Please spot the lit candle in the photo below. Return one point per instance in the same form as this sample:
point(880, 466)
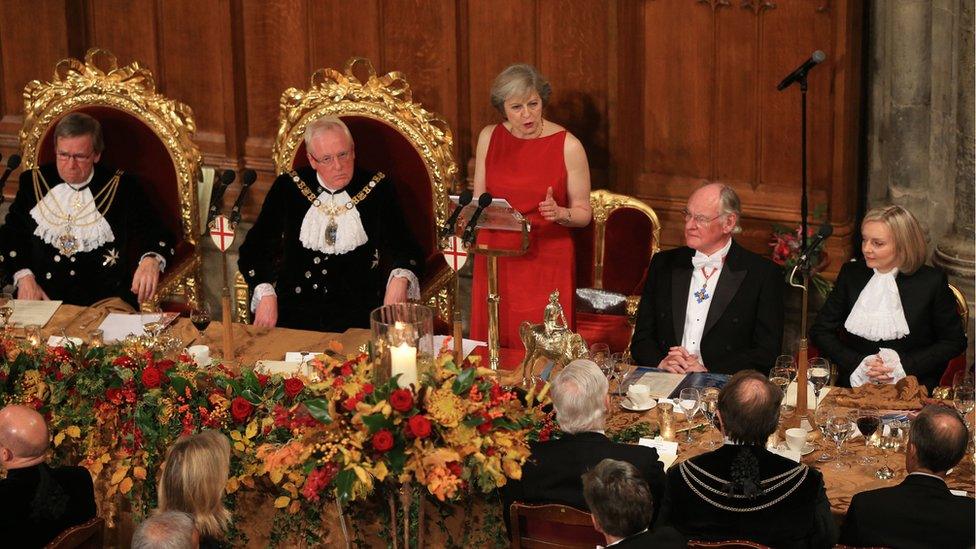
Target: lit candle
point(403, 360)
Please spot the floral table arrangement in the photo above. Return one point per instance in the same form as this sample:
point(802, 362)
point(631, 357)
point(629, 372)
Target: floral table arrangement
point(337, 438)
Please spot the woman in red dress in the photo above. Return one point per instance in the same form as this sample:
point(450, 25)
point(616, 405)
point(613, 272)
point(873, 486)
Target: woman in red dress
point(541, 169)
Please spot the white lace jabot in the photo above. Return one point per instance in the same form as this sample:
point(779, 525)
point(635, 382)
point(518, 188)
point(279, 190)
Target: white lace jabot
point(349, 226)
point(88, 226)
point(877, 314)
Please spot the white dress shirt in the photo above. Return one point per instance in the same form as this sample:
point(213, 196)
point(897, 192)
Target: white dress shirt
point(695, 312)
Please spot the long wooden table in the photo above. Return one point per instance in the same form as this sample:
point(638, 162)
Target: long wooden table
point(253, 344)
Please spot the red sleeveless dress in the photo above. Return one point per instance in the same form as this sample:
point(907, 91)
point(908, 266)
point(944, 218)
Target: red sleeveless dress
point(520, 171)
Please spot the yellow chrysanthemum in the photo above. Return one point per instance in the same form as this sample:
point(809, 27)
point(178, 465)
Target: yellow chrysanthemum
point(445, 407)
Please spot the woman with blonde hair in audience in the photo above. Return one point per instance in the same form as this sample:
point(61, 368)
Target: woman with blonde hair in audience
point(193, 480)
point(890, 315)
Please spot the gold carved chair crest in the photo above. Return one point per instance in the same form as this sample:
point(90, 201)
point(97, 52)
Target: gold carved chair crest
point(394, 135)
point(146, 134)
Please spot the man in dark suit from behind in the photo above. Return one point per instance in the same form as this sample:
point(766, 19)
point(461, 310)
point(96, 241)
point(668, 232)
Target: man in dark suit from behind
point(710, 305)
point(919, 512)
point(553, 472)
point(621, 505)
point(742, 491)
point(37, 502)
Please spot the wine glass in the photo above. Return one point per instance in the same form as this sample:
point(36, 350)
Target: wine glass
point(689, 399)
point(788, 363)
point(6, 308)
point(838, 429)
point(821, 416)
point(152, 322)
point(892, 438)
point(620, 367)
point(600, 353)
point(780, 377)
point(200, 317)
point(818, 373)
point(868, 421)
point(963, 399)
point(709, 405)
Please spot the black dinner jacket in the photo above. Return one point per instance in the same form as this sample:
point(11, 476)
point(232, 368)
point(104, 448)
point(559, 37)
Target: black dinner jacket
point(25, 492)
point(666, 538)
point(552, 473)
point(935, 331)
point(920, 512)
point(801, 520)
point(744, 326)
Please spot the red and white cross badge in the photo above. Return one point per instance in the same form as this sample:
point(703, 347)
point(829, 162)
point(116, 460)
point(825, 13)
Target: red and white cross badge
point(455, 253)
point(221, 233)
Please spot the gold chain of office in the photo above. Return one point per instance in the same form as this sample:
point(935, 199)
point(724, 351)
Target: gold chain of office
point(331, 209)
point(95, 209)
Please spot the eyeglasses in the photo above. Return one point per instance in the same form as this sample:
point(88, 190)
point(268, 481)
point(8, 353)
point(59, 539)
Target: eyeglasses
point(700, 220)
point(67, 157)
point(329, 159)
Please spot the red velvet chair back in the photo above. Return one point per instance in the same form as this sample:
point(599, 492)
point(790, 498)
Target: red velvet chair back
point(381, 148)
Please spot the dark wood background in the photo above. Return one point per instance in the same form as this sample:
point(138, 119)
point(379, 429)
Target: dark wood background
point(663, 93)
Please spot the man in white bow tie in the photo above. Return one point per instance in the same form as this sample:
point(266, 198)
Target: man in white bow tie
point(330, 243)
point(711, 305)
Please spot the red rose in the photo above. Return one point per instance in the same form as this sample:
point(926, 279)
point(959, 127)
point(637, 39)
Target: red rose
point(485, 425)
point(401, 400)
point(114, 395)
point(382, 440)
point(165, 365)
point(262, 379)
point(151, 377)
point(368, 388)
point(240, 409)
point(350, 404)
point(293, 386)
point(346, 370)
point(419, 426)
point(455, 468)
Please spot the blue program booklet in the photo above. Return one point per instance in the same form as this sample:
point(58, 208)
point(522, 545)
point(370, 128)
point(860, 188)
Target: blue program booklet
point(697, 380)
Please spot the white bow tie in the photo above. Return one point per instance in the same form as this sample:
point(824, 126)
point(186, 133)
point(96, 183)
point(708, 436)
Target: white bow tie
point(700, 260)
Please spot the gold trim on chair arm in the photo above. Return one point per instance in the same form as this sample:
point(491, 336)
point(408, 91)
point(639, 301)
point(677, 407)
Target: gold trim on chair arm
point(962, 306)
point(184, 279)
point(603, 203)
point(242, 300)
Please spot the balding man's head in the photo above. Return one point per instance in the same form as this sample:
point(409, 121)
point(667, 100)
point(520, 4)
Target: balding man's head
point(23, 436)
point(938, 439)
point(748, 407)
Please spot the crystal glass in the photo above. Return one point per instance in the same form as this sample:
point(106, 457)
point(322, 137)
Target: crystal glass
point(96, 338)
point(780, 377)
point(709, 406)
point(892, 439)
point(689, 399)
point(402, 342)
point(963, 399)
point(33, 334)
point(6, 308)
point(868, 421)
point(788, 363)
point(200, 317)
point(838, 429)
point(821, 416)
point(818, 372)
point(152, 322)
point(620, 365)
point(600, 353)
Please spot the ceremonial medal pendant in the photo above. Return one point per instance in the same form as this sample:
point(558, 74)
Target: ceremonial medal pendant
point(67, 243)
point(701, 294)
point(330, 231)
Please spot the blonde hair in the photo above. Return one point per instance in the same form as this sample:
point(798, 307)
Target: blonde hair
point(519, 80)
point(193, 480)
point(906, 234)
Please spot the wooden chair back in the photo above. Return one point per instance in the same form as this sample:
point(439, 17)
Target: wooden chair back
point(552, 526)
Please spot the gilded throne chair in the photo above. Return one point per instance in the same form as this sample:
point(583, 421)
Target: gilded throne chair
point(393, 135)
point(145, 133)
point(612, 256)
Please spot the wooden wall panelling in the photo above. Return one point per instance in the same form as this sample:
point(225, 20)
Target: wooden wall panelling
point(339, 29)
point(129, 29)
point(28, 50)
point(574, 57)
point(626, 99)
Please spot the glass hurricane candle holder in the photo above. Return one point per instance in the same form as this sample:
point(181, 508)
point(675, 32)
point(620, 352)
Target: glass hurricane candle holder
point(402, 342)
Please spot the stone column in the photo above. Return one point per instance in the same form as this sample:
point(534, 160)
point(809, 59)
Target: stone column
point(955, 251)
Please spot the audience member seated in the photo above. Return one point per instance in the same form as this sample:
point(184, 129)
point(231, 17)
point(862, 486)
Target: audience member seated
point(919, 512)
point(710, 305)
point(553, 472)
point(620, 502)
point(743, 491)
point(890, 315)
point(166, 530)
point(193, 480)
point(37, 502)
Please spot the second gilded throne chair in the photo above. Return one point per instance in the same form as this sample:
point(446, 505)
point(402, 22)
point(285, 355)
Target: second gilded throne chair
point(612, 256)
point(146, 135)
point(393, 135)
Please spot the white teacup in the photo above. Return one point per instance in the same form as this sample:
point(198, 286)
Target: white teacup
point(639, 395)
point(796, 439)
point(200, 354)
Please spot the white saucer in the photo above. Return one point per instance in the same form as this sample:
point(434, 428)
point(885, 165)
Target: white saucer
point(626, 404)
point(206, 364)
point(807, 448)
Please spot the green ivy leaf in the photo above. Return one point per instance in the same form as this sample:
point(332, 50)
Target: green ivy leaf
point(376, 421)
point(343, 483)
point(179, 384)
point(251, 396)
point(463, 382)
point(398, 458)
point(319, 409)
point(251, 382)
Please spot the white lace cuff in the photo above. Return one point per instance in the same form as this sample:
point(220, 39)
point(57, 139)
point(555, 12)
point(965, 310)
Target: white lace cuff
point(161, 259)
point(21, 274)
point(260, 292)
point(413, 284)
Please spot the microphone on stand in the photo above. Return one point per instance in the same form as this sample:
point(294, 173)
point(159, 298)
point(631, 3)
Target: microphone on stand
point(463, 200)
point(13, 162)
point(483, 202)
point(801, 72)
point(825, 231)
point(248, 177)
point(217, 194)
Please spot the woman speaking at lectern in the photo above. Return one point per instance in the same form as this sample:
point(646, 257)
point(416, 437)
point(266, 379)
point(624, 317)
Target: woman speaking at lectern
point(541, 169)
